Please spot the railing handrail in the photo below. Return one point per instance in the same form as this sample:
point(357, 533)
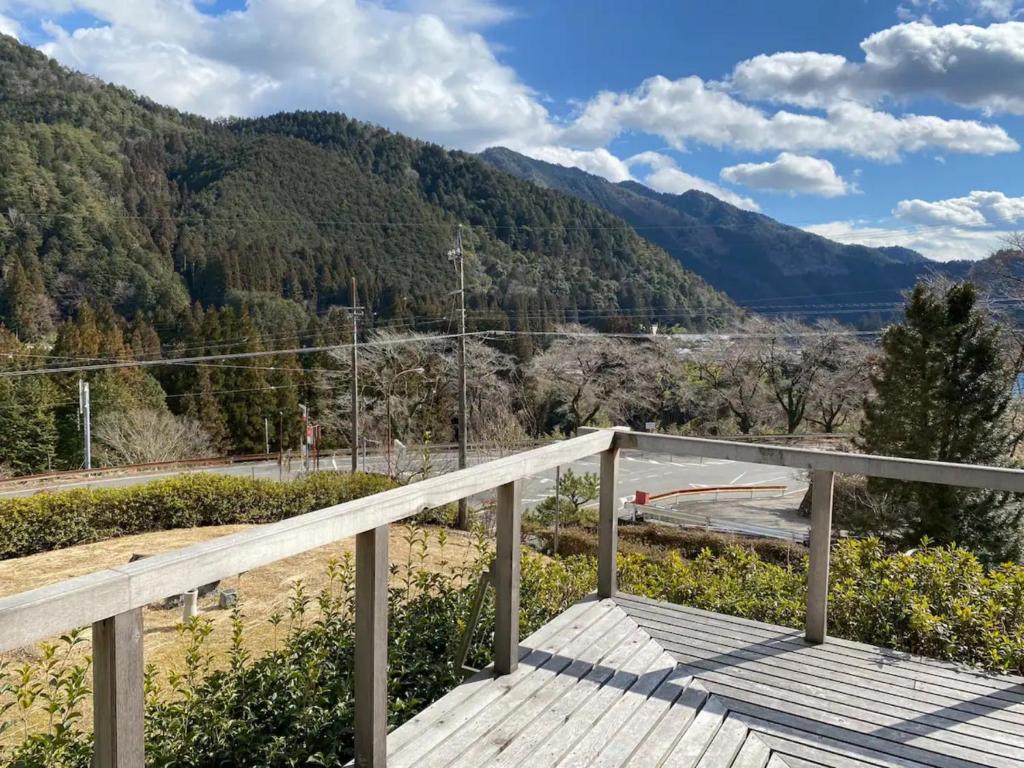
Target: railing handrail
point(40, 613)
point(112, 600)
point(889, 467)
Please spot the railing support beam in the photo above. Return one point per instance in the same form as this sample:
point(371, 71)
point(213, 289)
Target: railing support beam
point(118, 699)
point(506, 578)
point(821, 541)
point(371, 652)
point(608, 524)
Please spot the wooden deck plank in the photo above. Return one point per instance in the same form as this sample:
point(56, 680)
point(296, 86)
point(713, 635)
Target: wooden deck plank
point(801, 750)
point(633, 682)
point(726, 744)
point(753, 754)
point(585, 675)
point(476, 722)
point(619, 711)
point(975, 691)
point(441, 720)
point(539, 644)
point(879, 710)
point(643, 721)
point(864, 751)
point(819, 721)
point(832, 712)
point(691, 745)
point(672, 726)
point(847, 650)
point(993, 713)
point(586, 704)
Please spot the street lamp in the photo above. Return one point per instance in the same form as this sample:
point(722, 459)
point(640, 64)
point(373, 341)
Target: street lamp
point(387, 407)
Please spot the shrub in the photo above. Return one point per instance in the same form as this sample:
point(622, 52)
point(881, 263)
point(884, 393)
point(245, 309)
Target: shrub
point(50, 521)
point(658, 540)
point(294, 706)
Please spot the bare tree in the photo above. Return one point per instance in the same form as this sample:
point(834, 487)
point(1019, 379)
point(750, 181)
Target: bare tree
point(143, 435)
point(843, 380)
point(732, 369)
point(583, 373)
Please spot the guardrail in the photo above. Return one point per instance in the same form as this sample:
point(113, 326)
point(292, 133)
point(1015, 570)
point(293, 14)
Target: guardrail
point(112, 600)
point(675, 516)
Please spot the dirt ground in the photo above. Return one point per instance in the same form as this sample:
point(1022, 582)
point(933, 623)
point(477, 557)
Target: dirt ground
point(262, 592)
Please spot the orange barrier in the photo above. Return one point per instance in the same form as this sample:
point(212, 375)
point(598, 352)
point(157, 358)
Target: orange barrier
point(642, 497)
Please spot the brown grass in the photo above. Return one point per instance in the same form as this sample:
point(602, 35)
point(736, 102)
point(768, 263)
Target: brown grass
point(262, 592)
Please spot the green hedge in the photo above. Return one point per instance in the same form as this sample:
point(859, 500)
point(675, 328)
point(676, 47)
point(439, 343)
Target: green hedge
point(50, 521)
point(658, 540)
point(938, 602)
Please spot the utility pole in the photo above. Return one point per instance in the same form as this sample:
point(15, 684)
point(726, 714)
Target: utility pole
point(85, 412)
point(558, 509)
point(266, 435)
point(304, 412)
point(356, 309)
point(280, 445)
point(456, 255)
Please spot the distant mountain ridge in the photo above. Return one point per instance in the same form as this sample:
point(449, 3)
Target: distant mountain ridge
point(756, 260)
point(109, 198)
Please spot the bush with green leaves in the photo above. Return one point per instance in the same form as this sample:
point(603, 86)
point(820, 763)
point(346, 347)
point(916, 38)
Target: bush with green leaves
point(294, 706)
point(575, 491)
point(50, 521)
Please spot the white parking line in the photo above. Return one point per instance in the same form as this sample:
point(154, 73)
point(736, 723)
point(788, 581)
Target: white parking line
point(737, 478)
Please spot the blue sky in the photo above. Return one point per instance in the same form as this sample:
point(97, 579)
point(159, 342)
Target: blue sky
point(875, 121)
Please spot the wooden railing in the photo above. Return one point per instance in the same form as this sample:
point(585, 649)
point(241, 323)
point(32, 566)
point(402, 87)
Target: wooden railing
point(112, 600)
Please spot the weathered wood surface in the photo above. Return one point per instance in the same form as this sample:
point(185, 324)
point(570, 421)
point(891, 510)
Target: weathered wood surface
point(118, 668)
point(371, 652)
point(632, 682)
point(50, 610)
point(916, 470)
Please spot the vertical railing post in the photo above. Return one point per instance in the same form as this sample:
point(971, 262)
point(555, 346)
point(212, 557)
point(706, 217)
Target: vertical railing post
point(371, 652)
point(608, 524)
point(821, 542)
point(506, 578)
point(118, 699)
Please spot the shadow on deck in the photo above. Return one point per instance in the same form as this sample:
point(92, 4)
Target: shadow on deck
point(634, 682)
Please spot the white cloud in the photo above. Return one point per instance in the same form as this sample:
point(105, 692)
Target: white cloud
point(978, 209)
point(971, 66)
point(427, 74)
point(665, 176)
point(795, 174)
point(9, 26)
point(942, 243)
point(687, 110)
point(597, 161)
point(996, 9)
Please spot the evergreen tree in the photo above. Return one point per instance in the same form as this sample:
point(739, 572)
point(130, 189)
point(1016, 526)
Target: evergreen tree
point(27, 421)
point(941, 393)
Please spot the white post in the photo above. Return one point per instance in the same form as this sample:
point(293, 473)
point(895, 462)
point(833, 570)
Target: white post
point(189, 605)
point(821, 540)
point(118, 701)
point(371, 652)
point(608, 524)
point(506, 578)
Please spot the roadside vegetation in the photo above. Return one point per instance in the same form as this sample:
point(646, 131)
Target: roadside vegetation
point(50, 521)
point(293, 704)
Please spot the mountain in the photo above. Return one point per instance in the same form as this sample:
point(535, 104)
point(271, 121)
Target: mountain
point(108, 198)
point(756, 260)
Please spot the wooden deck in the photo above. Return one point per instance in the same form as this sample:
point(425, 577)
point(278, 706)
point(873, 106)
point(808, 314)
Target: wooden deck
point(633, 682)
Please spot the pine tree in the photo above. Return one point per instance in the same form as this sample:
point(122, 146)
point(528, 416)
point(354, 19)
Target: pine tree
point(941, 392)
point(27, 420)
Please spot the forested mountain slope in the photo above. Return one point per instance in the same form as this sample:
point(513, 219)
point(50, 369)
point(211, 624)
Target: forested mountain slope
point(106, 197)
point(751, 257)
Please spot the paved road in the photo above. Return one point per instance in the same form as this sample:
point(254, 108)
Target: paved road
point(638, 472)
